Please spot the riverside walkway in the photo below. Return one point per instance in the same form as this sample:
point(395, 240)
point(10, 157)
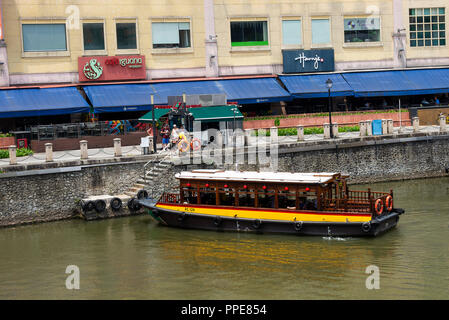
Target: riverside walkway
point(136, 151)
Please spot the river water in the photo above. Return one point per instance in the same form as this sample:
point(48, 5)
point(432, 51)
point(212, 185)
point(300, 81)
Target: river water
point(133, 258)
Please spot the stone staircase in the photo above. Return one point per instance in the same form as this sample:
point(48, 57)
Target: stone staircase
point(152, 170)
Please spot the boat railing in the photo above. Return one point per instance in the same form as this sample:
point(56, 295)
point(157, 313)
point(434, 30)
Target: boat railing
point(168, 197)
point(355, 201)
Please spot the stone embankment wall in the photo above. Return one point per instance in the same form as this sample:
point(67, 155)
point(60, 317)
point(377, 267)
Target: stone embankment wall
point(49, 192)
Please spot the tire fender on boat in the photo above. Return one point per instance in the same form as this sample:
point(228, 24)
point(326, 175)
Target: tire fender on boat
point(298, 225)
point(366, 226)
point(257, 223)
point(100, 205)
point(116, 204)
point(217, 221)
point(181, 216)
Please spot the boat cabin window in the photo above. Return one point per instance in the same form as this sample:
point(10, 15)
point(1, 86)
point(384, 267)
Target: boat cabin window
point(246, 196)
point(190, 195)
point(287, 198)
point(265, 197)
point(208, 195)
point(226, 195)
point(307, 199)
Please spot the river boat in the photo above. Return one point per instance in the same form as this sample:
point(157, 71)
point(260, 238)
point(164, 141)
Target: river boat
point(316, 204)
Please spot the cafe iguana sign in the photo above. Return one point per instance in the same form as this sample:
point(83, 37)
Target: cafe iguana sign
point(104, 68)
point(299, 61)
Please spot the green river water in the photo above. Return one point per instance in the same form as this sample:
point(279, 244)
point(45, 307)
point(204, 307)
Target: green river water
point(133, 258)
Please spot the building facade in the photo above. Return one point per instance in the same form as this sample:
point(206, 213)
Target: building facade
point(55, 41)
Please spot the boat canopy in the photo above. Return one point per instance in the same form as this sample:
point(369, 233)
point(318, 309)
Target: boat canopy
point(253, 176)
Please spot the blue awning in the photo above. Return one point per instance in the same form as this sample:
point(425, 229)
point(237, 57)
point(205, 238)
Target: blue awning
point(136, 97)
point(314, 86)
point(241, 91)
point(398, 83)
point(15, 103)
point(120, 97)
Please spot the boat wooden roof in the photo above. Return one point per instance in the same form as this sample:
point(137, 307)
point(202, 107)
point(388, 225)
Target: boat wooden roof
point(254, 176)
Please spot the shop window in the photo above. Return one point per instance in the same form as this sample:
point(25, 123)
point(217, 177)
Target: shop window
point(321, 31)
point(249, 33)
point(291, 32)
point(362, 30)
point(427, 27)
point(44, 37)
point(126, 36)
point(93, 36)
point(171, 34)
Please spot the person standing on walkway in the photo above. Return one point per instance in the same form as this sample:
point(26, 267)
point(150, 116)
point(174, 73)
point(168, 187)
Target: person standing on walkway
point(165, 136)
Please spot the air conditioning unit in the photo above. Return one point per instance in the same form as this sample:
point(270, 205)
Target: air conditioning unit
point(206, 100)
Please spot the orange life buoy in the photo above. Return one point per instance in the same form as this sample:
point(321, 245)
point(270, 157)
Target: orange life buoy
point(389, 203)
point(195, 144)
point(183, 145)
point(379, 207)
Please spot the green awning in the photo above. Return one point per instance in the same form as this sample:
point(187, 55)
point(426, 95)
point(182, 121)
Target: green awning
point(216, 113)
point(148, 117)
point(205, 114)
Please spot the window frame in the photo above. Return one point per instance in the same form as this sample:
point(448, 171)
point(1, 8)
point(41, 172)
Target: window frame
point(361, 43)
point(53, 53)
point(94, 52)
point(321, 45)
point(126, 51)
point(180, 19)
point(250, 48)
point(424, 31)
point(292, 18)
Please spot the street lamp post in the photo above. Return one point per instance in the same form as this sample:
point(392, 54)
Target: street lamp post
point(153, 123)
point(329, 86)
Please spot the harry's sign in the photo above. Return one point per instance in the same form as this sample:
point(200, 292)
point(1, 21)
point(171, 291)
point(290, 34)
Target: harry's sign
point(298, 61)
point(102, 68)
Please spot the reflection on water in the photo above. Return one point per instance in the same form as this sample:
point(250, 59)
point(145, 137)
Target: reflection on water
point(132, 258)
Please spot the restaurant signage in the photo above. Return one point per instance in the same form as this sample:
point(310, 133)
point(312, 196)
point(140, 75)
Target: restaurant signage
point(104, 68)
point(299, 61)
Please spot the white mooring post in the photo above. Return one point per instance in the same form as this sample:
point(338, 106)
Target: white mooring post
point(48, 152)
point(83, 149)
point(117, 147)
point(362, 128)
point(384, 126)
point(390, 126)
point(327, 131)
point(443, 127)
point(335, 130)
point(415, 123)
point(12, 154)
point(273, 135)
point(300, 133)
